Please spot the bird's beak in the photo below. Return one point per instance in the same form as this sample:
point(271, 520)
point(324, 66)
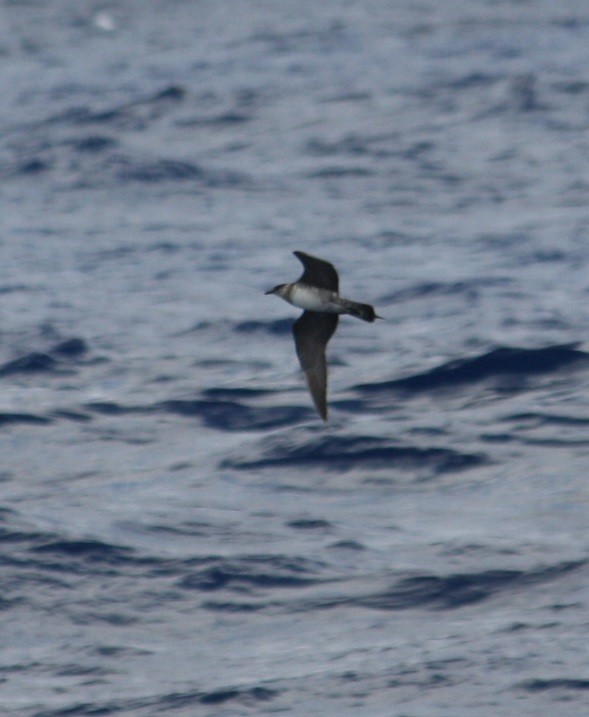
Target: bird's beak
point(271, 291)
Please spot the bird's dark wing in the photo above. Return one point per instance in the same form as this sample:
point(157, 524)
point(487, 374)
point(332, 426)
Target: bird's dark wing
point(318, 272)
point(311, 332)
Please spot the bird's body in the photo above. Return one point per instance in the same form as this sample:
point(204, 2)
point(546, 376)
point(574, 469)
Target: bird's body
point(311, 298)
point(316, 292)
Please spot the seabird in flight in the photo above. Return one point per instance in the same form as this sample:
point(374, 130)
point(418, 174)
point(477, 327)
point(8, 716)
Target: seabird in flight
point(317, 293)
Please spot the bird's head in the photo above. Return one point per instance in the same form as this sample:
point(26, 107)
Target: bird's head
point(280, 290)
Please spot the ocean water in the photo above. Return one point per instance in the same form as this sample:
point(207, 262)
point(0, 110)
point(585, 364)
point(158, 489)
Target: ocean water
point(180, 532)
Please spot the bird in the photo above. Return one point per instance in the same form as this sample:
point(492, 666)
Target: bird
point(317, 293)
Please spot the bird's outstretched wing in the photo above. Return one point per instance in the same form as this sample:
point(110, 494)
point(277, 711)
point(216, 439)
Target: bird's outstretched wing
point(311, 332)
point(318, 272)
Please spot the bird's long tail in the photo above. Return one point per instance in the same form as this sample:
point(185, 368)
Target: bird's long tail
point(362, 311)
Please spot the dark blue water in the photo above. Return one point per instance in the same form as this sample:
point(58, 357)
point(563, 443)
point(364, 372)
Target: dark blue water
point(179, 532)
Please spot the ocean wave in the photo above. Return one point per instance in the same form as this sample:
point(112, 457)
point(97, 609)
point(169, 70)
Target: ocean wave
point(342, 453)
point(253, 572)
point(500, 363)
point(56, 358)
point(235, 416)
